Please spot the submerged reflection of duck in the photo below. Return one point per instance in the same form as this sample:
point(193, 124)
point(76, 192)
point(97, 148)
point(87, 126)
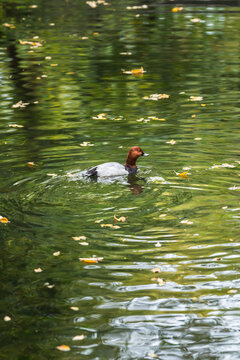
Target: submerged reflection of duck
point(115, 169)
point(133, 184)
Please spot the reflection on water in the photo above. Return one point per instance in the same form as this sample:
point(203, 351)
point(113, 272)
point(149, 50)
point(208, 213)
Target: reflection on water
point(168, 287)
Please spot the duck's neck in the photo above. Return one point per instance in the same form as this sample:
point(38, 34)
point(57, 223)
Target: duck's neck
point(130, 164)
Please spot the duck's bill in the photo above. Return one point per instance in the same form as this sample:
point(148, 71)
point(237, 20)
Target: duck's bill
point(145, 154)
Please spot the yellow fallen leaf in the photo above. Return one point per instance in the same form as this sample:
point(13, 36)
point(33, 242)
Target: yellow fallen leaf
point(183, 175)
point(15, 126)
point(188, 222)
point(38, 270)
point(153, 355)
point(74, 308)
point(98, 221)
point(3, 220)
point(121, 219)
point(101, 116)
point(33, 43)
point(52, 175)
point(91, 260)
point(177, 9)
point(232, 291)
point(49, 286)
point(135, 71)
point(57, 253)
point(86, 143)
point(63, 348)
point(172, 142)
point(106, 225)
point(156, 270)
point(83, 243)
point(31, 163)
point(10, 26)
point(48, 58)
point(115, 227)
point(78, 337)
point(53, 65)
point(203, 104)
point(77, 238)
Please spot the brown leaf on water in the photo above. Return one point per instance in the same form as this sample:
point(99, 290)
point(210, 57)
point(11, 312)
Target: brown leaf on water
point(139, 71)
point(78, 337)
point(63, 348)
point(91, 260)
point(3, 220)
point(156, 270)
point(183, 175)
point(31, 163)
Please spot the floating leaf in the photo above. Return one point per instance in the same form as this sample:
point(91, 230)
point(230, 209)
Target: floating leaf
point(158, 244)
point(3, 220)
point(48, 58)
point(7, 318)
point(115, 227)
point(32, 43)
point(20, 104)
point(172, 142)
point(195, 98)
point(74, 308)
point(31, 163)
point(10, 26)
point(86, 143)
point(63, 348)
point(78, 238)
point(91, 260)
point(183, 175)
point(188, 222)
point(156, 97)
point(135, 71)
point(106, 225)
point(52, 175)
point(78, 337)
point(57, 253)
point(153, 355)
point(101, 116)
point(156, 270)
point(232, 291)
point(98, 221)
point(15, 126)
point(49, 286)
point(83, 243)
point(38, 270)
point(122, 218)
point(177, 9)
point(195, 20)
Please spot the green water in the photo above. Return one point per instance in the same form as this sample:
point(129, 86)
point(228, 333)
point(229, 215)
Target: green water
point(188, 228)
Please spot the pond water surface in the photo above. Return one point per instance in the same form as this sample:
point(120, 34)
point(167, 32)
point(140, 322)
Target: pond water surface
point(168, 286)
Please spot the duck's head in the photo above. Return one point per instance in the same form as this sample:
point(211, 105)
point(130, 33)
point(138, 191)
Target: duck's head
point(133, 155)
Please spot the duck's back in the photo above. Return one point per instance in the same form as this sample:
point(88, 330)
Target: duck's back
point(107, 169)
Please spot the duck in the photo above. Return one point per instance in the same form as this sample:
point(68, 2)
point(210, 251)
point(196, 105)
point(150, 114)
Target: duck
point(115, 169)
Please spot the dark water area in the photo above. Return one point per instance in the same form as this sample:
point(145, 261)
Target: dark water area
point(168, 286)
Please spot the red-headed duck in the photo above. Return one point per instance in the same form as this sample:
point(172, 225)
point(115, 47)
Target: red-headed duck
point(116, 169)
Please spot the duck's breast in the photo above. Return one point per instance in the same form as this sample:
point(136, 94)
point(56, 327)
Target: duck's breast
point(111, 169)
